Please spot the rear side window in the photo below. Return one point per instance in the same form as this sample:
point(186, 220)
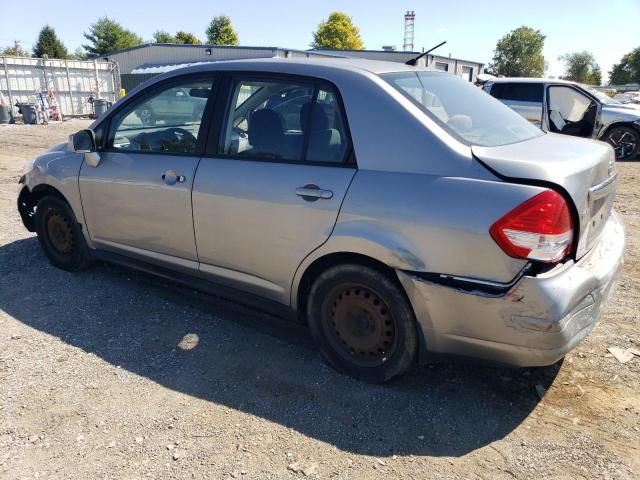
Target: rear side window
point(282, 120)
point(519, 92)
point(462, 109)
point(167, 121)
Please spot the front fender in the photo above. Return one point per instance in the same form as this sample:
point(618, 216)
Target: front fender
point(58, 169)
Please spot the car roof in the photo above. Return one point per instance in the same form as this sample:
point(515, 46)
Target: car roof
point(530, 80)
point(285, 64)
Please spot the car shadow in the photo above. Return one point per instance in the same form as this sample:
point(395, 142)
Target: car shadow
point(227, 354)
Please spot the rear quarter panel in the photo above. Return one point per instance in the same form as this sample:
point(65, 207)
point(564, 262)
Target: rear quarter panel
point(426, 223)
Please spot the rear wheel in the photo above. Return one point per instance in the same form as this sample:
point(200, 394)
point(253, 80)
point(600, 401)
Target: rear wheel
point(60, 236)
point(362, 322)
point(625, 141)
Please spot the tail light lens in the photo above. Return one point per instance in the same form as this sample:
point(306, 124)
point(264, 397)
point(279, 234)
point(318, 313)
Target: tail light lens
point(539, 229)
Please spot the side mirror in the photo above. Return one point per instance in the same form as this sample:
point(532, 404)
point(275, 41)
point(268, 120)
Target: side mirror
point(84, 141)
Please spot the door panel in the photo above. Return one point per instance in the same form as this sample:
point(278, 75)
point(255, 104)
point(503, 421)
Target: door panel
point(128, 205)
point(524, 98)
point(137, 201)
point(253, 230)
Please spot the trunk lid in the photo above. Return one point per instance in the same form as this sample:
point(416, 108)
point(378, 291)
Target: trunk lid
point(584, 169)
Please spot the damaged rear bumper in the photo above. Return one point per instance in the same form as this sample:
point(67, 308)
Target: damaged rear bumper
point(535, 323)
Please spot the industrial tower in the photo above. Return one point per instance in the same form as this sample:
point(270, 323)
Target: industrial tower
point(409, 21)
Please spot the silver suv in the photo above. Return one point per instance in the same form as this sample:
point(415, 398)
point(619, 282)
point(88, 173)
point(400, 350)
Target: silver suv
point(395, 210)
point(572, 109)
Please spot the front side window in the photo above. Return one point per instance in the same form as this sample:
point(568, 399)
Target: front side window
point(167, 121)
point(463, 110)
point(281, 120)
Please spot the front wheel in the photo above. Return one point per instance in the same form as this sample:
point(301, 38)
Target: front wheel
point(362, 322)
point(625, 141)
point(60, 235)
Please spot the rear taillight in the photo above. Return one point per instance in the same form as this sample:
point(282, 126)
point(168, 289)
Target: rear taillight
point(539, 229)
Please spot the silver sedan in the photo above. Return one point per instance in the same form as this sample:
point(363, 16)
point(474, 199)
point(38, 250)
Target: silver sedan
point(397, 211)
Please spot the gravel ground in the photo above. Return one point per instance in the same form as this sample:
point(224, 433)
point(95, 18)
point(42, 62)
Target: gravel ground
point(111, 373)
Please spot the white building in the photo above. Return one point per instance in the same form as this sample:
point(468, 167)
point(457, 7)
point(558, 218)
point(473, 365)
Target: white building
point(137, 64)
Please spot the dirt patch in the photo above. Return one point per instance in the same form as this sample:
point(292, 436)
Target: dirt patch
point(112, 373)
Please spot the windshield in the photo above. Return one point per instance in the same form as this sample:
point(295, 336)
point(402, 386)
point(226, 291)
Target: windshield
point(463, 110)
point(603, 97)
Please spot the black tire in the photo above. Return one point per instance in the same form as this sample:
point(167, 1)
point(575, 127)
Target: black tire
point(60, 235)
point(362, 323)
point(625, 140)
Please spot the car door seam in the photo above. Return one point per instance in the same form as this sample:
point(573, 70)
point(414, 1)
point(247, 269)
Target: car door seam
point(333, 227)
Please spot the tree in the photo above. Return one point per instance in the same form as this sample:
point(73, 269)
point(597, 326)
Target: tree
point(519, 54)
point(581, 67)
point(78, 54)
point(220, 32)
point(338, 31)
point(162, 36)
point(107, 35)
point(187, 38)
point(15, 51)
point(628, 70)
point(49, 44)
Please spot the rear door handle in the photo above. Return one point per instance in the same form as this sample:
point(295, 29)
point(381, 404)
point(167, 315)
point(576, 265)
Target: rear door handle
point(312, 192)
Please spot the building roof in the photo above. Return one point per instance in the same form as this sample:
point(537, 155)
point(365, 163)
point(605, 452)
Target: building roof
point(400, 53)
point(181, 45)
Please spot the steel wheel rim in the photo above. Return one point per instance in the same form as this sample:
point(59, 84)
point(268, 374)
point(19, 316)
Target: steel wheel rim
point(623, 141)
point(59, 234)
point(145, 116)
point(359, 325)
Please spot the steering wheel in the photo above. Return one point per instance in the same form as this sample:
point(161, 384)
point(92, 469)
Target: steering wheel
point(181, 133)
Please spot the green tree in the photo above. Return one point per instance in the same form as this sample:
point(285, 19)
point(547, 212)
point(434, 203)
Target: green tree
point(581, 67)
point(221, 32)
point(49, 44)
point(187, 38)
point(162, 36)
point(628, 70)
point(15, 51)
point(338, 31)
point(107, 35)
point(519, 54)
point(78, 54)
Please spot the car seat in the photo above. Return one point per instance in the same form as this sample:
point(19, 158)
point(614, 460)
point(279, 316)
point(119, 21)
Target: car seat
point(266, 135)
point(324, 143)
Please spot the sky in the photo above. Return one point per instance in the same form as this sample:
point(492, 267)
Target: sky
point(607, 28)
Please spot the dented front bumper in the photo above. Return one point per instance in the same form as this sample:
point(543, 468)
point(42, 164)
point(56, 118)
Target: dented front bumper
point(536, 322)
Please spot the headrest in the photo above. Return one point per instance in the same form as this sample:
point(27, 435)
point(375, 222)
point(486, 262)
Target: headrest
point(319, 121)
point(266, 127)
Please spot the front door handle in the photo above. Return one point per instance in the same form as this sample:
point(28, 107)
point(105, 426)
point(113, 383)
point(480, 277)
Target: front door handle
point(311, 192)
point(171, 178)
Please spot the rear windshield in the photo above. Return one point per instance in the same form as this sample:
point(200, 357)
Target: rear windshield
point(464, 110)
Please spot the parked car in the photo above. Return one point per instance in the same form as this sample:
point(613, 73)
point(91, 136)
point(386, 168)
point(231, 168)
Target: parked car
point(404, 213)
point(175, 105)
point(628, 97)
point(572, 109)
